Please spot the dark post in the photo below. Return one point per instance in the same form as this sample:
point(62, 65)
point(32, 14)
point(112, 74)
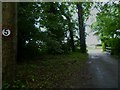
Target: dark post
point(9, 18)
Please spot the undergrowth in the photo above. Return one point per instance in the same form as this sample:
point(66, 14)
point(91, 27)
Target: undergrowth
point(50, 71)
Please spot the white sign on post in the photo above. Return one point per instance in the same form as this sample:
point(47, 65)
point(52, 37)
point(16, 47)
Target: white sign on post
point(6, 32)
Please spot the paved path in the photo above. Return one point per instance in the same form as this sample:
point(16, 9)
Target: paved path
point(101, 71)
point(104, 70)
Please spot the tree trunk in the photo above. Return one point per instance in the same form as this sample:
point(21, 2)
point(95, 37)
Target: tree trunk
point(81, 28)
point(71, 38)
point(9, 43)
point(72, 45)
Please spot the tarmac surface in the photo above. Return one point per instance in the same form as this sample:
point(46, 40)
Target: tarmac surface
point(104, 69)
point(101, 71)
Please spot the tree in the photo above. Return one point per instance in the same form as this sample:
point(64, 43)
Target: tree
point(56, 18)
point(28, 34)
point(9, 43)
point(107, 25)
point(47, 27)
point(71, 25)
point(81, 28)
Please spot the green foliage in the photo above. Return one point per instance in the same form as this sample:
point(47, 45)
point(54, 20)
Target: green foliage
point(107, 25)
point(5, 86)
point(115, 42)
point(54, 47)
point(86, 7)
point(48, 27)
point(43, 27)
point(26, 28)
point(103, 46)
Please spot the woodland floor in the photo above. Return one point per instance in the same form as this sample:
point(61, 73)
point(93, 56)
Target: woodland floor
point(50, 71)
point(93, 70)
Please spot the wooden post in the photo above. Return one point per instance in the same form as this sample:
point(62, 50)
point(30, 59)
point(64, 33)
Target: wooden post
point(9, 43)
point(0, 45)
